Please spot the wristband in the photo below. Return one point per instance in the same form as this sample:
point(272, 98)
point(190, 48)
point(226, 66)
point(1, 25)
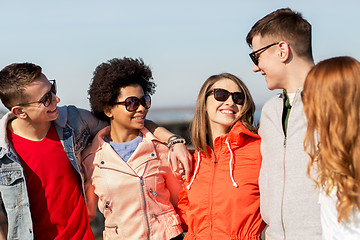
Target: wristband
point(175, 141)
point(172, 137)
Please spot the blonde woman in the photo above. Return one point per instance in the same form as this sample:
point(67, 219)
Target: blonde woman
point(331, 100)
point(222, 199)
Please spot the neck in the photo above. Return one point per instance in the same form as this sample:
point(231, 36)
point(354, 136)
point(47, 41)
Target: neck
point(122, 135)
point(31, 131)
point(297, 75)
point(217, 131)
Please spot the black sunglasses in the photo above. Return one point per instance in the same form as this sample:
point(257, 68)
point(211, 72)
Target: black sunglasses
point(255, 57)
point(47, 98)
point(133, 103)
point(222, 95)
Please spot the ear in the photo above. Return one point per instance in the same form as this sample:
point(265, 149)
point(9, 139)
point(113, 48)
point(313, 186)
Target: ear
point(284, 51)
point(19, 112)
point(107, 111)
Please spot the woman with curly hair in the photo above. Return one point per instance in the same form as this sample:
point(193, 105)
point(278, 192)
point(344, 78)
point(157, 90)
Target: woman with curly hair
point(331, 100)
point(222, 200)
point(127, 169)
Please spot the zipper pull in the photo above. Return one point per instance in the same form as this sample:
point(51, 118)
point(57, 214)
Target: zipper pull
point(152, 192)
point(141, 181)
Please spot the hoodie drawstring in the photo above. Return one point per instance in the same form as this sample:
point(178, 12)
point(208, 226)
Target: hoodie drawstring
point(196, 171)
point(231, 163)
point(230, 167)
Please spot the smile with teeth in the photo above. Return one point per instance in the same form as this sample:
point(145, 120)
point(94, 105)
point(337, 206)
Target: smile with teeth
point(227, 111)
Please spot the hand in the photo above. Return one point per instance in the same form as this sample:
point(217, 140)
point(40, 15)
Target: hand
point(181, 159)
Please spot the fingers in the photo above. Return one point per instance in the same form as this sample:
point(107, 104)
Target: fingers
point(187, 166)
point(181, 159)
point(173, 161)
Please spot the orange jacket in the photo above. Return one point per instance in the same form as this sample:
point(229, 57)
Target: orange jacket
point(222, 199)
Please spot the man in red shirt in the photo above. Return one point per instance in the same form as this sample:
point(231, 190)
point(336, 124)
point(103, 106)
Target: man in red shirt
point(37, 154)
point(41, 175)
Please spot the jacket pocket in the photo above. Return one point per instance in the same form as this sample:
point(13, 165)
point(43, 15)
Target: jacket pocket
point(12, 187)
point(170, 220)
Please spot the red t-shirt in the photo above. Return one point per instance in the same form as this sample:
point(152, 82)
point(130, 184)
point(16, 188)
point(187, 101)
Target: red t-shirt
point(56, 202)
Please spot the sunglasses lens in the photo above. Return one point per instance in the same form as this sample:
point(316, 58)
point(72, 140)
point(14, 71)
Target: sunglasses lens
point(146, 101)
point(254, 59)
point(132, 103)
point(221, 94)
point(47, 99)
point(53, 87)
point(238, 98)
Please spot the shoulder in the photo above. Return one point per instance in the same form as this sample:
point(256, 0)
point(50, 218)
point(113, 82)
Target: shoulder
point(273, 101)
point(78, 118)
point(70, 113)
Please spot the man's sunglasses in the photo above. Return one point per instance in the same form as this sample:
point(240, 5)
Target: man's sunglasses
point(222, 95)
point(47, 98)
point(133, 103)
point(255, 57)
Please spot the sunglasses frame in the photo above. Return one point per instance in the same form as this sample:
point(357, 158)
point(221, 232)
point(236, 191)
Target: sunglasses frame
point(255, 58)
point(48, 97)
point(228, 94)
point(139, 101)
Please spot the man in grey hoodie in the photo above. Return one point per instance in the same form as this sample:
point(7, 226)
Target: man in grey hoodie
point(281, 43)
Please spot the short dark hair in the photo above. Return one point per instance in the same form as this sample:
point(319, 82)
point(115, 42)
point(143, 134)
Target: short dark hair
point(13, 80)
point(109, 77)
point(285, 24)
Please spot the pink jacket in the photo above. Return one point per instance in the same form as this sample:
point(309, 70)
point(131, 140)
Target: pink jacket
point(133, 196)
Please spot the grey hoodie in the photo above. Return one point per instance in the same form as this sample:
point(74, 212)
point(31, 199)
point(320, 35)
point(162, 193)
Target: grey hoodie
point(288, 197)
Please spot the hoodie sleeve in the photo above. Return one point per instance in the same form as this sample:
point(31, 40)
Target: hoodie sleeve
point(182, 207)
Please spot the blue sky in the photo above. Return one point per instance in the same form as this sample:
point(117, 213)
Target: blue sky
point(184, 42)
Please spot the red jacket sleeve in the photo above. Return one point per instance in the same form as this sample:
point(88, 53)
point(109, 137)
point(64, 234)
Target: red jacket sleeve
point(182, 207)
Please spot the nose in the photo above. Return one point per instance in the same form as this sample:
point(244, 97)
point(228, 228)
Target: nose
point(57, 99)
point(256, 68)
point(141, 108)
point(229, 101)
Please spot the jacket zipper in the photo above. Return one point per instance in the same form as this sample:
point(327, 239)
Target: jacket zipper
point(155, 215)
point(142, 194)
point(115, 228)
point(145, 209)
point(211, 188)
point(283, 193)
point(113, 169)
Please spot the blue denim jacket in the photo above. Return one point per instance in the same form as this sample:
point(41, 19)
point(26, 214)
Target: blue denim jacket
point(75, 128)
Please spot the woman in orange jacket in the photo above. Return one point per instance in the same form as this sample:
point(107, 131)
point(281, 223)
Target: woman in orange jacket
point(221, 201)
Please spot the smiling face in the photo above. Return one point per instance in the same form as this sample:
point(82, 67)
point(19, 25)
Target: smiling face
point(36, 112)
point(222, 115)
point(122, 121)
point(270, 65)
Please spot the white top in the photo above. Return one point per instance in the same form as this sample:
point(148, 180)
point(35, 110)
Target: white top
point(291, 97)
point(331, 228)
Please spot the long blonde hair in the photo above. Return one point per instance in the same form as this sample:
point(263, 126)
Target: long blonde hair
point(331, 99)
point(200, 124)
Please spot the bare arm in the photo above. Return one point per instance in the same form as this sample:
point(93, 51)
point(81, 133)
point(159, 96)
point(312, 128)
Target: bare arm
point(178, 154)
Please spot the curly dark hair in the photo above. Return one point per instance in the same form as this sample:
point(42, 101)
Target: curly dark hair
point(109, 77)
